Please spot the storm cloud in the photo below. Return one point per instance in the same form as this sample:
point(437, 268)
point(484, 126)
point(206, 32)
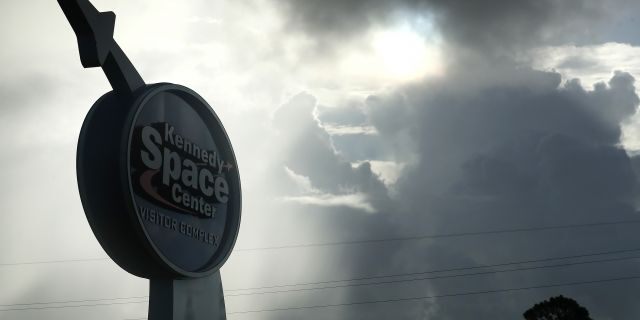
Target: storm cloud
point(494, 27)
point(496, 154)
point(491, 144)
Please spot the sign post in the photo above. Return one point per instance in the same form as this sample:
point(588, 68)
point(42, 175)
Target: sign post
point(157, 178)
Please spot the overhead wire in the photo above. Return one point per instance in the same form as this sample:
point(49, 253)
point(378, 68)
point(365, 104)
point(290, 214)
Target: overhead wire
point(436, 277)
point(42, 305)
point(449, 295)
point(364, 241)
point(503, 264)
point(444, 235)
point(74, 306)
point(69, 301)
point(428, 297)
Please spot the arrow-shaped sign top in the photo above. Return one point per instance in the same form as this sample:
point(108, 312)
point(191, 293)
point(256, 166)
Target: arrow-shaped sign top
point(97, 47)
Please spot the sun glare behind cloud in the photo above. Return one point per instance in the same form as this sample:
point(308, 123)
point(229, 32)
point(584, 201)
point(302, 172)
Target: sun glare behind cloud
point(404, 54)
point(394, 55)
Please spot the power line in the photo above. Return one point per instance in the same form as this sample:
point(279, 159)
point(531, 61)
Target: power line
point(352, 242)
point(504, 264)
point(346, 285)
point(445, 235)
point(438, 277)
point(51, 261)
point(74, 306)
point(449, 295)
point(459, 294)
point(69, 301)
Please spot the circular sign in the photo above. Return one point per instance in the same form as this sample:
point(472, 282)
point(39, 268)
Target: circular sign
point(183, 179)
point(166, 156)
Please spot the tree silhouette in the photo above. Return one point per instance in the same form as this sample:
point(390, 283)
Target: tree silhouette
point(557, 308)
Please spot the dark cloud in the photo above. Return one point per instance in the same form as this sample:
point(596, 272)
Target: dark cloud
point(518, 149)
point(457, 121)
point(526, 154)
point(495, 27)
point(548, 167)
point(622, 25)
point(341, 18)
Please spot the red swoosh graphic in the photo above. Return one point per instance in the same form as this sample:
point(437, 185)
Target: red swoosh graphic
point(145, 183)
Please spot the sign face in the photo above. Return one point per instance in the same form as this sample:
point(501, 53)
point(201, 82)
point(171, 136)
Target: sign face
point(183, 180)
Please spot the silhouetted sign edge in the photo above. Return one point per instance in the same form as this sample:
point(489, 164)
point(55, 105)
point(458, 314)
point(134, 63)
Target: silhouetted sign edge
point(107, 199)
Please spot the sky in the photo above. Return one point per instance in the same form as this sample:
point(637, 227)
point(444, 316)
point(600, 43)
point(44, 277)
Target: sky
point(354, 123)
